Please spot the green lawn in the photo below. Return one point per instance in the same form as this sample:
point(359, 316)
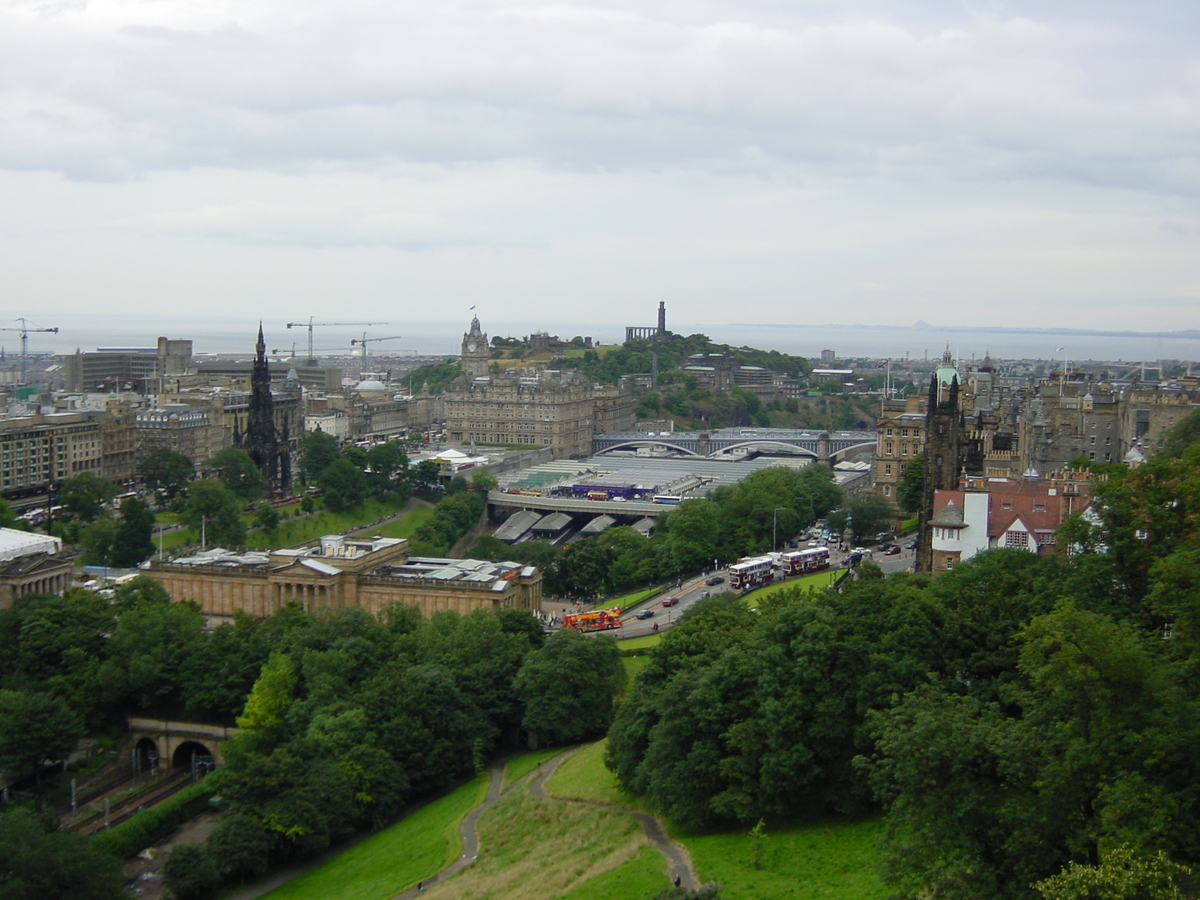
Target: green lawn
point(533, 850)
point(585, 777)
point(817, 581)
point(308, 528)
point(520, 766)
point(645, 642)
point(640, 879)
point(835, 859)
point(406, 526)
point(628, 601)
point(633, 667)
point(396, 858)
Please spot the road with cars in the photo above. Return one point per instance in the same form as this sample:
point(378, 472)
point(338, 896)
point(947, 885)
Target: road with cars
point(664, 612)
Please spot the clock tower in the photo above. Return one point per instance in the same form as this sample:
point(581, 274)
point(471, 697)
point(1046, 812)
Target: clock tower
point(475, 351)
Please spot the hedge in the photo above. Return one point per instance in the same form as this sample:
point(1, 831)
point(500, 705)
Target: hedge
point(149, 826)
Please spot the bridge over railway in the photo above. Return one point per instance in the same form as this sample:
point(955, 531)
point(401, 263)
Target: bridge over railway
point(160, 742)
point(823, 446)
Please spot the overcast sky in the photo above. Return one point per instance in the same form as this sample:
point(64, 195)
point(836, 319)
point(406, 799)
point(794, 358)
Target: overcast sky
point(990, 163)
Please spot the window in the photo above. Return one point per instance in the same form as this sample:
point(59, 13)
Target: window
point(1006, 504)
point(887, 490)
point(887, 468)
point(1039, 505)
point(1016, 539)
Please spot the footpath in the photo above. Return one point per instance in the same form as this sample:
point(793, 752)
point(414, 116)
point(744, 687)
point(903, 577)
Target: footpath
point(679, 863)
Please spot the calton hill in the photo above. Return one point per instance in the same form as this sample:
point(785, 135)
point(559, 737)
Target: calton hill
point(1022, 726)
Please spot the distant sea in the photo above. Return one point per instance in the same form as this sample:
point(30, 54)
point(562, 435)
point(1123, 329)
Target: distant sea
point(920, 341)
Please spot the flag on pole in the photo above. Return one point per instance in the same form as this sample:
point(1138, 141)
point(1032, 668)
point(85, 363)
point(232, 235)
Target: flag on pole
point(884, 364)
point(472, 307)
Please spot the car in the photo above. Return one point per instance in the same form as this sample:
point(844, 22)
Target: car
point(911, 545)
point(670, 601)
point(702, 595)
point(892, 550)
point(714, 579)
point(646, 614)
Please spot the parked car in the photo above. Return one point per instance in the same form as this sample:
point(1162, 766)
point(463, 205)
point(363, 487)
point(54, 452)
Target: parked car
point(911, 545)
point(670, 601)
point(646, 614)
point(714, 579)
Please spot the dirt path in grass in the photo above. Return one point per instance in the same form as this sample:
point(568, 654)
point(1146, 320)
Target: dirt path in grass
point(679, 861)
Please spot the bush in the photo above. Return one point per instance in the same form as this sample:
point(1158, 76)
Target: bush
point(134, 835)
point(191, 872)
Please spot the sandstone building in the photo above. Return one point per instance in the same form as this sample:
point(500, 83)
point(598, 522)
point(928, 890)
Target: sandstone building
point(338, 572)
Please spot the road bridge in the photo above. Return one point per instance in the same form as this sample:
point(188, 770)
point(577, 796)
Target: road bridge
point(823, 446)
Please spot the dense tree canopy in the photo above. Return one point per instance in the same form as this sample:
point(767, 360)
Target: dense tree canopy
point(166, 472)
point(213, 509)
point(234, 468)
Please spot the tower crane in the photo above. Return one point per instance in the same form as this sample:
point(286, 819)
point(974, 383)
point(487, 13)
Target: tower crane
point(310, 325)
point(25, 329)
point(364, 340)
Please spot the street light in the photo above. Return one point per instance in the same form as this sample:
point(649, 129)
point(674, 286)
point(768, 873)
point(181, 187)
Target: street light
point(775, 520)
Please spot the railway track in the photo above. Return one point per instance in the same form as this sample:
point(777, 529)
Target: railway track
point(127, 803)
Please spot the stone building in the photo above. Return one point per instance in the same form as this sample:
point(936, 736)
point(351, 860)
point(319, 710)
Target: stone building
point(181, 428)
point(338, 572)
point(542, 407)
point(476, 354)
point(31, 564)
point(901, 430)
point(131, 369)
point(42, 449)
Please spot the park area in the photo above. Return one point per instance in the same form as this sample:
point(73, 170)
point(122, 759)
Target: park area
point(580, 841)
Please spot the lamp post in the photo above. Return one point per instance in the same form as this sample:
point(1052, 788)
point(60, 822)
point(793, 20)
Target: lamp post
point(774, 521)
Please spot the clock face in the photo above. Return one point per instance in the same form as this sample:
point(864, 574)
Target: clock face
point(471, 347)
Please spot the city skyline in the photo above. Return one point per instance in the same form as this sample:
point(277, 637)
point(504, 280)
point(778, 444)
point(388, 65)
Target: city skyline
point(989, 164)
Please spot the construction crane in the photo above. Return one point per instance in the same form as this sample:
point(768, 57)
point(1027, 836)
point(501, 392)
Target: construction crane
point(25, 329)
point(310, 325)
point(366, 339)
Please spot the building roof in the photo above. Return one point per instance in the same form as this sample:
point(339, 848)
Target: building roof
point(15, 543)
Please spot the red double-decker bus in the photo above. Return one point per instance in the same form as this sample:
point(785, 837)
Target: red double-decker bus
point(751, 572)
point(800, 562)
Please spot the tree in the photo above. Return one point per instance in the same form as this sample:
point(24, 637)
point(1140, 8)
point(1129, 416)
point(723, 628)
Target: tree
point(266, 518)
point(483, 480)
point(426, 472)
point(134, 538)
point(234, 468)
point(343, 485)
point(213, 509)
point(191, 872)
point(568, 687)
point(242, 846)
point(97, 539)
point(83, 497)
point(317, 451)
point(1121, 875)
point(35, 727)
point(911, 486)
point(387, 460)
point(166, 472)
point(691, 534)
point(38, 864)
point(9, 519)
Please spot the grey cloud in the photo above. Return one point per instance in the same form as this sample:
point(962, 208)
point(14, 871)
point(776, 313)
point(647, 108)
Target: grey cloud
point(1013, 93)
